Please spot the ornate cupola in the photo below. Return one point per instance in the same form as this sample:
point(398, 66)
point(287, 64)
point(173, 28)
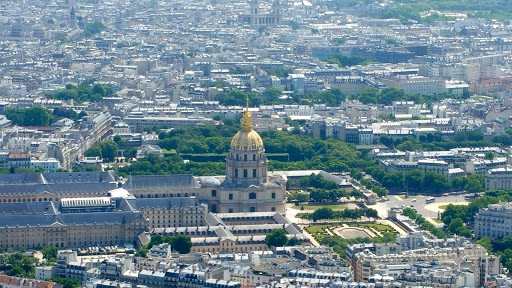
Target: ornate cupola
point(246, 163)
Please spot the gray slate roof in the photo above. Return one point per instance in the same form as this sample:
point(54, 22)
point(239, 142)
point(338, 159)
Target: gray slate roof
point(100, 188)
point(58, 177)
point(161, 181)
point(159, 203)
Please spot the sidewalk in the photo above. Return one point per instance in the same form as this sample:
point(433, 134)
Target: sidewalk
point(311, 238)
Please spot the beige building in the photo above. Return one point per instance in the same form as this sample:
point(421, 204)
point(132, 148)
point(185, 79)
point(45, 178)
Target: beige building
point(365, 263)
point(499, 179)
point(70, 223)
point(94, 221)
point(495, 221)
point(416, 85)
point(234, 232)
point(171, 212)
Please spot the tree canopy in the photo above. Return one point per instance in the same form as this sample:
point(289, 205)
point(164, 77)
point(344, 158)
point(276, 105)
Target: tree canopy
point(86, 91)
point(106, 149)
point(276, 238)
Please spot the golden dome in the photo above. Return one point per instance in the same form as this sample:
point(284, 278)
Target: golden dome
point(247, 139)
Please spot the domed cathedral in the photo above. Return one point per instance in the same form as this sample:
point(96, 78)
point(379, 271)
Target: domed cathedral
point(246, 163)
point(248, 186)
point(258, 19)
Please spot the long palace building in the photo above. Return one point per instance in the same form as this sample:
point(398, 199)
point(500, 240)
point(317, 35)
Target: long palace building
point(58, 209)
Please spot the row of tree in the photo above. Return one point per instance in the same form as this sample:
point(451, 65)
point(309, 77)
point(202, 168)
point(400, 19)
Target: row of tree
point(423, 223)
point(433, 182)
point(328, 213)
point(40, 116)
point(436, 142)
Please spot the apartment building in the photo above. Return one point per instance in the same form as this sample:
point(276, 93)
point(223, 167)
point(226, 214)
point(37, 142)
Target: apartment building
point(495, 221)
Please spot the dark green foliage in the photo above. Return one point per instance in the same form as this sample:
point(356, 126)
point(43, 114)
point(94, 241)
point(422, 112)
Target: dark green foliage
point(342, 60)
point(238, 98)
point(106, 149)
point(318, 181)
point(423, 223)
point(331, 98)
point(271, 95)
point(85, 92)
point(94, 28)
point(277, 238)
point(388, 95)
point(328, 213)
point(15, 264)
point(67, 282)
point(293, 242)
point(33, 116)
point(279, 72)
point(411, 10)
point(49, 252)
point(68, 113)
point(180, 243)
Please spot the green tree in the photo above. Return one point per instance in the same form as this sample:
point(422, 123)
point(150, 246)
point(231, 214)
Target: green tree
point(67, 282)
point(271, 95)
point(119, 141)
point(293, 242)
point(486, 243)
point(322, 213)
point(414, 179)
point(143, 251)
point(106, 149)
point(94, 28)
point(99, 89)
point(277, 238)
point(504, 139)
point(475, 183)
point(181, 243)
point(49, 252)
point(460, 136)
point(435, 182)
point(155, 240)
point(93, 152)
point(489, 155)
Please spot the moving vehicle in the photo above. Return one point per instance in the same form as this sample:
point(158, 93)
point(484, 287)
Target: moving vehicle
point(430, 200)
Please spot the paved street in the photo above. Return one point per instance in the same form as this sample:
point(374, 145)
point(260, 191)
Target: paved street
point(418, 202)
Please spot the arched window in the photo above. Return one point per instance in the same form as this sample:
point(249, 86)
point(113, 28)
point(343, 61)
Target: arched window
point(252, 195)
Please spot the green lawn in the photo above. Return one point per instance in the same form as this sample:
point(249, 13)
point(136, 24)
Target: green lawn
point(443, 207)
point(379, 227)
point(318, 231)
point(316, 207)
point(317, 228)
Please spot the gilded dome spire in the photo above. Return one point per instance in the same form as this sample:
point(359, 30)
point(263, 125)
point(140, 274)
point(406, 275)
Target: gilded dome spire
point(247, 139)
point(247, 117)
